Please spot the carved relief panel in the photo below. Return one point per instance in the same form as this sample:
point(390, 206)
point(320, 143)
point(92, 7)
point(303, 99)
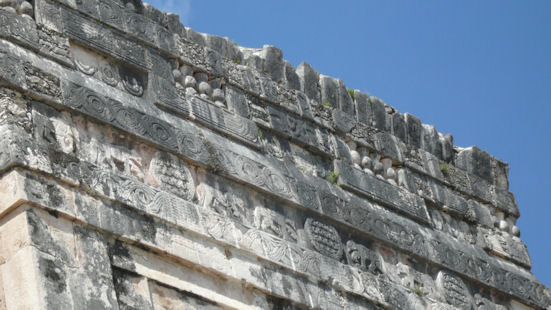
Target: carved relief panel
point(360, 256)
point(225, 199)
point(324, 238)
point(109, 71)
point(274, 223)
point(454, 290)
point(170, 174)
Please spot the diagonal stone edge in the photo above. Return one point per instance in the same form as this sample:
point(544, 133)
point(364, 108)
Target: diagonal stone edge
point(383, 235)
point(434, 251)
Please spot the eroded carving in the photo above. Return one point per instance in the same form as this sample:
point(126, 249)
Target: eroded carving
point(226, 204)
point(132, 82)
point(108, 41)
point(173, 175)
point(360, 256)
point(87, 69)
point(324, 238)
point(455, 291)
point(113, 112)
point(107, 70)
point(221, 120)
point(109, 74)
point(41, 81)
point(18, 28)
point(273, 247)
point(272, 222)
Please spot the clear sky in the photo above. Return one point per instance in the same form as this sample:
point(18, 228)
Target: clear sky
point(480, 70)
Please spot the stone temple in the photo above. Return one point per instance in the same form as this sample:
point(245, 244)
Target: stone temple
point(148, 166)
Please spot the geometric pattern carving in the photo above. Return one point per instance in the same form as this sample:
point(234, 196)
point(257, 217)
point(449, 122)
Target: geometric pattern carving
point(324, 238)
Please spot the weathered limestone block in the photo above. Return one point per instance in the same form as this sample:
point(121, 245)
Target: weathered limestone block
point(363, 105)
point(227, 123)
point(345, 103)
point(394, 241)
point(19, 29)
point(365, 184)
point(273, 64)
point(92, 33)
point(132, 290)
point(506, 245)
point(169, 298)
point(224, 47)
point(145, 165)
point(379, 113)
point(482, 164)
point(21, 283)
point(329, 91)
point(399, 128)
point(291, 77)
point(414, 130)
point(298, 129)
point(237, 101)
point(199, 288)
point(51, 264)
point(309, 81)
point(343, 121)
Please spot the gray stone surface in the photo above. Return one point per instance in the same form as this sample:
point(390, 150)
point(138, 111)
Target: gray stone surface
point(144, 165)
point(309, 81)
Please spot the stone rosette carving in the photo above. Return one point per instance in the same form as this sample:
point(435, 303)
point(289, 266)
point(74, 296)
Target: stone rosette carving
point(454, 290)
point(324, 238)
point(172, 175)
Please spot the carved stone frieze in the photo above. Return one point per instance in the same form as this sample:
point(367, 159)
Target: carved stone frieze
point(362, 257)
point(454, 290)
point(172, 175)
point(162, 167)
point(324, 238)
point(275, 224)
point(107, 70)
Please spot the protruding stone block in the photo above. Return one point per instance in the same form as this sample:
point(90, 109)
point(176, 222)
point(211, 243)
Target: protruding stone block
point(309, 81)
point(273, 64)
point(475, 161)
point(363, 105)
point(345, 102)
point(367, 185)
point(379, 113)
point(291, 77)
point(329, 91)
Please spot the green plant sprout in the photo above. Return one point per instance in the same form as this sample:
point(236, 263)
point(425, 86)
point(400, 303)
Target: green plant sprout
point(332, 177)
point(351, 93)
point(445, 169)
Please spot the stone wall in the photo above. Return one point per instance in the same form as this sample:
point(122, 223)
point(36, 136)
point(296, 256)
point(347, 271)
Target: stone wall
point(148, 166)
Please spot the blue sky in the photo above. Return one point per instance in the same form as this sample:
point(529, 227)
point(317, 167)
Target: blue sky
point(480, 70)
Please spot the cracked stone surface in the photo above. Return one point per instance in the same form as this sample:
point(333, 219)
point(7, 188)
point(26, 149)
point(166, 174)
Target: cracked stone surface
point(144, 165)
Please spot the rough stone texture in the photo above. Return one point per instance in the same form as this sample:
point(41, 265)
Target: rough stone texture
point(147, 166)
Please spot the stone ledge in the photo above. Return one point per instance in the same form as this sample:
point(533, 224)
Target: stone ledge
point(285, 194)
point(211, 139)
point(137, 228)
point(109, 144)
point(159, 41)
point(18, 81)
